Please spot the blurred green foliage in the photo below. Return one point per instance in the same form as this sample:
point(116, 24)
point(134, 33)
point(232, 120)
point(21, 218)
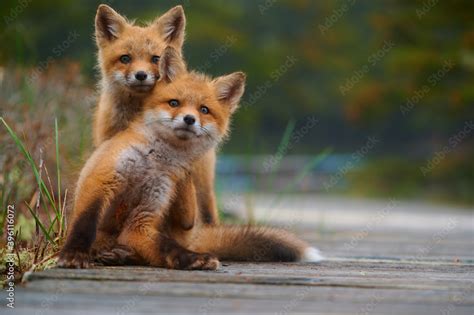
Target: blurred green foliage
point(399, 70)
point(329, 44)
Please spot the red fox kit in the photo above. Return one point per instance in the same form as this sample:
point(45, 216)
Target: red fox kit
point(129, 57)
point(126, 187)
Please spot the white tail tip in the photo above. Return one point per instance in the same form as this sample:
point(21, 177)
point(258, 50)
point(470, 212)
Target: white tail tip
point(311, 254)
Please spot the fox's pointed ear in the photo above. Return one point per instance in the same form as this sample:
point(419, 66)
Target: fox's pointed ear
point(108, 24)
point(171, 26)
point(171, 64)
point(230, 88)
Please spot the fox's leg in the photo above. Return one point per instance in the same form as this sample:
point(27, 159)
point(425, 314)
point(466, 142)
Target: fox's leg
point(203, 178)
point(107, 251)
point(184, 208)
point(75, 253)
point(93, 196)
point(156, 248)
point(103, 242)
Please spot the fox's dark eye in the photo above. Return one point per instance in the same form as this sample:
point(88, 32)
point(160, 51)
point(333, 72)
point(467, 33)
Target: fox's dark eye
point(155, 59)
point(204, 110)
point(174, 103)
point(125, 59)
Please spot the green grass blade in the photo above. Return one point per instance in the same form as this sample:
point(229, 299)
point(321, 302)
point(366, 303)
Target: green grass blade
point(5, 196)
point(43, 189)
point(26, 154)
point(58, 173)
point(51, 224)
point(38, 221)
point(45, 206)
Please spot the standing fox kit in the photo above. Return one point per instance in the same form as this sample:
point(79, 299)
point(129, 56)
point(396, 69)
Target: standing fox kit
point(128, 60)
point(126, 187)
point(129, 57)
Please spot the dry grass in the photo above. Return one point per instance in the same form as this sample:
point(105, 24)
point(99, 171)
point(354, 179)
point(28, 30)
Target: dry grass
point(35, 153)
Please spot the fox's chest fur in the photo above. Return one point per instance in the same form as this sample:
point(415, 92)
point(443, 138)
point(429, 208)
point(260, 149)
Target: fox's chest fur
point(150, 172)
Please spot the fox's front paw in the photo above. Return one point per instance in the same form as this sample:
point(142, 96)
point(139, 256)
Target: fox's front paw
point(74, 259)
point(117, 256)
point(205, 262)
point(195, 261)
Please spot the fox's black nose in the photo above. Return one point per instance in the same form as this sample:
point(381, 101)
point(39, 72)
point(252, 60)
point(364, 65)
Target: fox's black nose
point(140, 75)
point(189, 119)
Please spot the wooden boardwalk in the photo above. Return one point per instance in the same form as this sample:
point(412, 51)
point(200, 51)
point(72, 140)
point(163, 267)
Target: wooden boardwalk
point(374, 266)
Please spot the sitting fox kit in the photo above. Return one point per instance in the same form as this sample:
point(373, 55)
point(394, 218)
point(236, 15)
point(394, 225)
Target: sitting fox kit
point(187, 115)
point(127, 198)
point(126, 186)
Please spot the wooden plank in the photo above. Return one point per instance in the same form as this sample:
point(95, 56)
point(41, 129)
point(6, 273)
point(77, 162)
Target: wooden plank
point(92, 303)
point(362, 274)
point(251, 291)
point(371, 269)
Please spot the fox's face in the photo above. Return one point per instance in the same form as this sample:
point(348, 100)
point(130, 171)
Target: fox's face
point(190, 108)
point(129, 55)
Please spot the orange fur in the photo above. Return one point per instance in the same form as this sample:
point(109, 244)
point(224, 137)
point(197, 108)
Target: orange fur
point(121, 98)
point(138, 195)
point(126, 188)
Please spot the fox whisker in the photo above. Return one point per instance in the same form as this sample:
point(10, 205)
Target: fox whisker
point(206, 131)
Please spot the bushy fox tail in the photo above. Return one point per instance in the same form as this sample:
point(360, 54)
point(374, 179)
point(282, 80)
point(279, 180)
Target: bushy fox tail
point(251, 243)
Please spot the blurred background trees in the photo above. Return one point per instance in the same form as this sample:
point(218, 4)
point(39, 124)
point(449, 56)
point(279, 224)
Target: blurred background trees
point(400, 71)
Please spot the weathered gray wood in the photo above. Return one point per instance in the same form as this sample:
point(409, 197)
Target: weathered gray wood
point(362, 274)
point(370, 270)
point(334, 302)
